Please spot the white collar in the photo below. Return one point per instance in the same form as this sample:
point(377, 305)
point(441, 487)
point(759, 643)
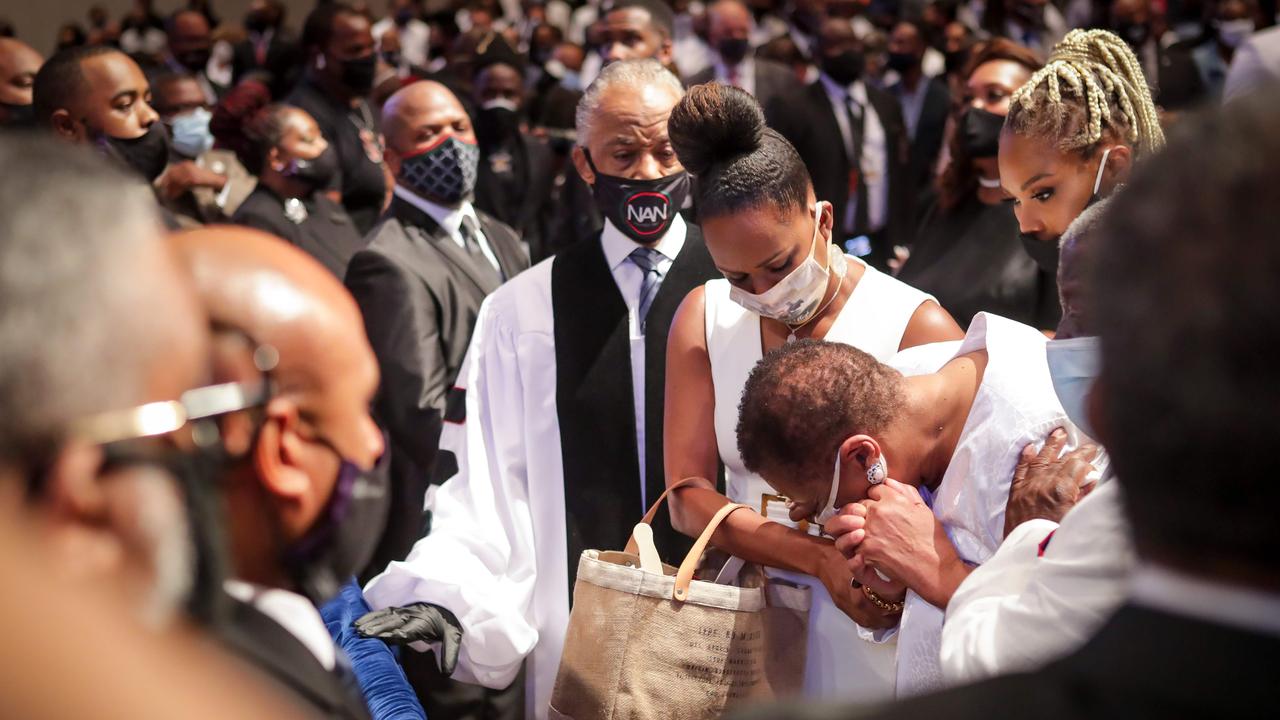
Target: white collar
point(746, 68)
point(292, 612)
point(618, 247)
point(448, 218)
point(1164, 588)
point(856, 91)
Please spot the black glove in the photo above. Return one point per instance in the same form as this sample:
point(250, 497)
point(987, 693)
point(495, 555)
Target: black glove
point(413, 623)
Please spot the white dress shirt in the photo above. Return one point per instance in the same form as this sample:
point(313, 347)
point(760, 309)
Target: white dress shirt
point(450, 219)
point(1021, 609)
point(629, 277)
point(746, 74)
point(875, 154)
point(292, 612)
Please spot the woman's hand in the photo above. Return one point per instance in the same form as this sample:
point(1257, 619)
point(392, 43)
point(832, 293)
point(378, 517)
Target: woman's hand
point(904, 540)
point(848, 528)
point(833, 571)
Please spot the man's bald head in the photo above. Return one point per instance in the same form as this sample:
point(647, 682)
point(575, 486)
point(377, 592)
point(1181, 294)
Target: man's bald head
point(19, 63)
point(282, 297)
point(421, 116)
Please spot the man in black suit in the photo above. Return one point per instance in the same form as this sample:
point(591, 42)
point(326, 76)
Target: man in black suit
point(517, 173)
point(267, 48)
point(303, 503)
point(925, 101)
point(729, 31)
point(854, 142)
point(429, 264)
point(1187, 405)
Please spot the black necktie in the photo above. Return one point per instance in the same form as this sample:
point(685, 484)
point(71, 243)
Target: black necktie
point(471, 241)
point(857, 122)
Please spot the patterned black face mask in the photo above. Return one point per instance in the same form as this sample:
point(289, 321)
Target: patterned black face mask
point(445, 171)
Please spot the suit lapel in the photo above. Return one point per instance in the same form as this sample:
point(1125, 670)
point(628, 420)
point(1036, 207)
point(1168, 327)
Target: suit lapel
point(267, 644)
point(414, 219)
point(829, 131)
point(594, 403)
point(505, 245)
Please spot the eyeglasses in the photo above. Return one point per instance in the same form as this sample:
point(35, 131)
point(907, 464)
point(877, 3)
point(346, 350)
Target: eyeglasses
point(196, 408)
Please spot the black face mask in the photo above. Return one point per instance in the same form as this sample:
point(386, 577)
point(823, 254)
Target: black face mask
point(955, 60)
point(980, 132)
point(316, 172)
point(256, 23)
point(357, 74)
point(18, 116)
point(734, 50)
point(344, 537)
point(1044, 252)
point(195, 61)
point(1135, 34)
point(844, 68)
point(641, 209)
point(901, 62)
point(148, 154)
point(495, 124)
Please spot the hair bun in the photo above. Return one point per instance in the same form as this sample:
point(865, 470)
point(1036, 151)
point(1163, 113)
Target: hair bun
point(713, 124)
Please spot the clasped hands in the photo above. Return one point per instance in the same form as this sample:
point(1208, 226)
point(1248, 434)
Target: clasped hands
point(894, 532)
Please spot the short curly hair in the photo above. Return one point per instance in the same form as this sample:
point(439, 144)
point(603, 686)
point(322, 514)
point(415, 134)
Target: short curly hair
point(801, 402)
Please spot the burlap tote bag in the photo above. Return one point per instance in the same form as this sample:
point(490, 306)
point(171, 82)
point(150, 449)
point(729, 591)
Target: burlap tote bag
point(646, 645)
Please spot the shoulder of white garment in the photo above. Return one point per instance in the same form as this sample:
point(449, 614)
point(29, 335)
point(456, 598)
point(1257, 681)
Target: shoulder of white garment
point(523, 303)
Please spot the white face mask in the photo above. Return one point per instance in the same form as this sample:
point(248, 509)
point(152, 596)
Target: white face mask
point(795, 299)
point(1097, 179)
point(1233, 33)
point(876, 474)
point(1073, 365)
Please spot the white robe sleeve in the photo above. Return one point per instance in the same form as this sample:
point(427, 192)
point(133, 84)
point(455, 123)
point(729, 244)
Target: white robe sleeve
point(479, 559)
point(1020, 610)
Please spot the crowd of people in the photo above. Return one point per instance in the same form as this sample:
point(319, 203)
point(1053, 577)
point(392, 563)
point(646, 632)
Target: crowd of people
point(325, 353)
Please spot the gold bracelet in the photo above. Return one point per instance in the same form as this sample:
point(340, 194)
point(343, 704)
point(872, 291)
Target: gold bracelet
point(890, 607)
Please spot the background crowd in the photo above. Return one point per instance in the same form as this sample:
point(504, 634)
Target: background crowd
point(315, 267)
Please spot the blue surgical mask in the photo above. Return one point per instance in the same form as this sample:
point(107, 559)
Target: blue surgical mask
point(191, 136)
point(1073, 366)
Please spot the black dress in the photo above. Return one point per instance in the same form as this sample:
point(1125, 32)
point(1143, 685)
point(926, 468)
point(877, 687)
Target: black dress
point(316, 224)
point(972, 261)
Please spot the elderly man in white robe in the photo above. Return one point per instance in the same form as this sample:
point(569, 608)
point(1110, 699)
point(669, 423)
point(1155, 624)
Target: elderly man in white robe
point(557, 421)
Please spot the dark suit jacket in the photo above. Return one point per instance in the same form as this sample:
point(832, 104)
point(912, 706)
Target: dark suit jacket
point(529, 212)
point(328, 234)
point(930, 130)
point(419, 296)
point(1142, 664)
point(283, 62)
point(260, 640)
point(773, 81)
point(809, 123)
point(1179, 85)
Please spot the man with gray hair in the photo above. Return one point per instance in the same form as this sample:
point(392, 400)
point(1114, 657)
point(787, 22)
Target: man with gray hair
point(556, 417)
point(100, 334)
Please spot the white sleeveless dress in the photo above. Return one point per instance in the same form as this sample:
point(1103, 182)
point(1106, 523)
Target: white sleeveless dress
point(840, 665)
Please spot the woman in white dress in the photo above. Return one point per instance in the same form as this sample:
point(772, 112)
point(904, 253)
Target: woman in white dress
point(784, 279)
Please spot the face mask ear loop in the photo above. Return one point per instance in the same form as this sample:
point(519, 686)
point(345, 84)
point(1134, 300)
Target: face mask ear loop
point(1097, 181)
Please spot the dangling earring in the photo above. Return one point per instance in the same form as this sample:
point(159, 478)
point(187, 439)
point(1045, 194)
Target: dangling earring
point(876, 473)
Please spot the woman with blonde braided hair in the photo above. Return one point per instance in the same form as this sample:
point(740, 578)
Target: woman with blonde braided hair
point(1072, 134)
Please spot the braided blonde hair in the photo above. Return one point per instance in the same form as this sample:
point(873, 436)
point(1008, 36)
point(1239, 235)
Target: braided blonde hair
point(1091, 88)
